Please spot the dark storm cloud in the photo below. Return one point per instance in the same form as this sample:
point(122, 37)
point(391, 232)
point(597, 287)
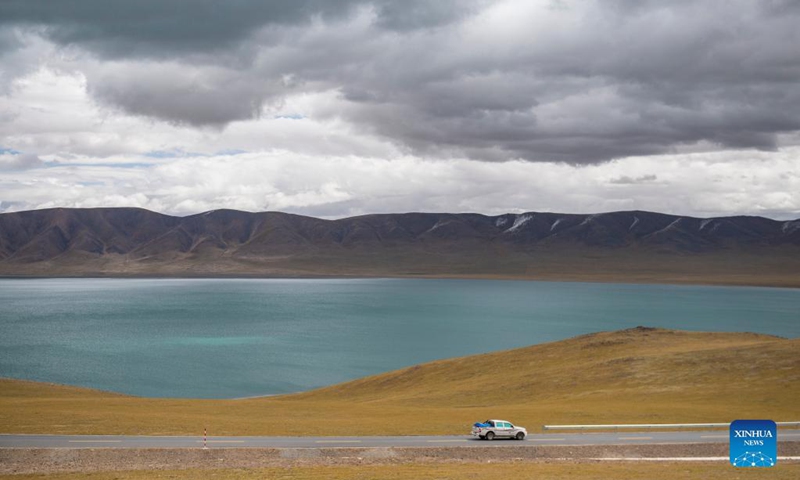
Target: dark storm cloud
point(208, 46)
point(159, 28)
point(616, 82)
point(411, 15)
point(181, 94)
point(567, 81)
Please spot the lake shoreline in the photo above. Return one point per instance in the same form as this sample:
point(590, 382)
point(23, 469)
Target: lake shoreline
point(788, 283)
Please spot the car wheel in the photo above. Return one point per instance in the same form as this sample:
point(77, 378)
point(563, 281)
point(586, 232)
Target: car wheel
point(490, 436)
point(520, 436)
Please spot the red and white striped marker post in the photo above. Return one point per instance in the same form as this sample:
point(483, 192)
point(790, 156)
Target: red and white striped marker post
point(205, 438)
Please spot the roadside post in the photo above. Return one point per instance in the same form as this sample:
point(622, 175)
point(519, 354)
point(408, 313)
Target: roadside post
point(205, 438)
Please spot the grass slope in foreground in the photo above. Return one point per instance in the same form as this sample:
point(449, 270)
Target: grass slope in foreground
point(638, 375)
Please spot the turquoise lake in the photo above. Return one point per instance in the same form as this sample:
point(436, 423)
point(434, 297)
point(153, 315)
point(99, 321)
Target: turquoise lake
point(227, 338)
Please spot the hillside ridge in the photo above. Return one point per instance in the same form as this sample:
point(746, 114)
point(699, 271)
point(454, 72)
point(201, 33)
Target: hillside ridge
point(537, 371)
point(133, 241)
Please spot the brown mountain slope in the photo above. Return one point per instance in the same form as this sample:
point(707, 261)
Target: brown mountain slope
point(628, 246)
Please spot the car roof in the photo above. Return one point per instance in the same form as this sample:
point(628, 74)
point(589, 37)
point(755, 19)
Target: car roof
point(495, 420)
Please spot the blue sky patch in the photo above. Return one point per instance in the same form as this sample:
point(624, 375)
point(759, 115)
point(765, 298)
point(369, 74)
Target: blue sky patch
point(292, 116)
point(173, 153)
point(102, 164)
point(232, 151)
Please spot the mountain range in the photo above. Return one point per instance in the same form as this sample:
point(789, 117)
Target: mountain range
point(617, 246)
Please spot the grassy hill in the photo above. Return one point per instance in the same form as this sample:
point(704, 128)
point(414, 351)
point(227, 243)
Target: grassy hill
point(638, 375)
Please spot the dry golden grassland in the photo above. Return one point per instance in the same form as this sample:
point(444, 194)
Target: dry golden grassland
point(630, 376)
point(458, 471)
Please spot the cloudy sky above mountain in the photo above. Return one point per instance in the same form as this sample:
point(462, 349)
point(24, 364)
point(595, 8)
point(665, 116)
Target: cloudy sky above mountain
point(335, 108)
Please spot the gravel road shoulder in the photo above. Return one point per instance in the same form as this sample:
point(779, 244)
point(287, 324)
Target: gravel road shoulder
point(44, 461)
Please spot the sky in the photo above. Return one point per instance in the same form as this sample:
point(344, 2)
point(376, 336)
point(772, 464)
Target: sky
point(336, 108)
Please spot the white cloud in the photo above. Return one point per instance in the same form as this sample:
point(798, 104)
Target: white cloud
point(53, 114)
point(757, 183)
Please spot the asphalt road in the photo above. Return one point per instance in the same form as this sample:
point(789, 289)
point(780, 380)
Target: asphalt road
point(125, 441)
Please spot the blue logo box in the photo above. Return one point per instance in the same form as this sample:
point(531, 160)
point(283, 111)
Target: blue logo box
point(754, 443)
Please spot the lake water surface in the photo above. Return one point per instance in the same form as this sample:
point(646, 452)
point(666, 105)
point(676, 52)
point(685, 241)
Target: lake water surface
point(220, 338)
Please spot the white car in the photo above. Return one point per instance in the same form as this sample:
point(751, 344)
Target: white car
point(491, 429)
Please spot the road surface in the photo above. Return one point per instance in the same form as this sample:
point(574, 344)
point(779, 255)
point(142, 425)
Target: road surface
point(126, 441)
